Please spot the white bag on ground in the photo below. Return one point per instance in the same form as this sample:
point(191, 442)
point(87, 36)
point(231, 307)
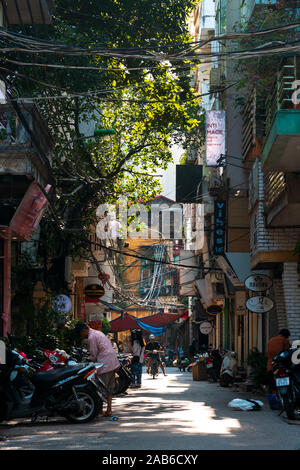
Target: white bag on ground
point(245, 405)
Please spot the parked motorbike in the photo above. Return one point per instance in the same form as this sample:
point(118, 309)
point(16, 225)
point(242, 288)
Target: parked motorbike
point(183, 363)
point(59, 358)
point(213, 363)
point(169, 358)
point(123, 374)
point(74, 392)
point(228, 369)
point(286, 373)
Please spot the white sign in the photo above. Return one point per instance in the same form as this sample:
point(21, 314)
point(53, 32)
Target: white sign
point(259, 304)
point(206, 327)
point(62, 304)
point(258, 282)
point(215, 136)
point(240, 302)
point(2, 352)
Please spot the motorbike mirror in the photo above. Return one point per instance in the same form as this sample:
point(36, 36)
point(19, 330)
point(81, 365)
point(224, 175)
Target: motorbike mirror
point(13, 375)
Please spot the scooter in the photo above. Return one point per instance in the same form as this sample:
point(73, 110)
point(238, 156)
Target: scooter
point(60, 358)
point(286, 372)
point(213, 363)
point(73, 392)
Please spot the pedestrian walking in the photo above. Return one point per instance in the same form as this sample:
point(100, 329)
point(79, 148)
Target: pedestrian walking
point(101, 350)
point(137, 346)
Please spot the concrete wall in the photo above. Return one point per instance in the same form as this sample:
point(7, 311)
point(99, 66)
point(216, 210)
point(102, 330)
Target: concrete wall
point(291, 286)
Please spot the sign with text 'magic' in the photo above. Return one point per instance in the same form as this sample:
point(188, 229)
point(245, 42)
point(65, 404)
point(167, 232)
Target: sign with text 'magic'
point(215, 136)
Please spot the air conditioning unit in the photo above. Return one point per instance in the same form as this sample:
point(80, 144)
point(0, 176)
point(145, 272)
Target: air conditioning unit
point(217, 79)
point(215, 184)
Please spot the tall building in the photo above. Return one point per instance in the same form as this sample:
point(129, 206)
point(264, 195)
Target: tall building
point(253, 225)
point(25, 165)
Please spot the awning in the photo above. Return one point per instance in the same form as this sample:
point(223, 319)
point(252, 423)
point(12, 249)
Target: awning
point(110, 306)
point(204, 288)
point(236, 266)
point(128, 322)
point(123, 323)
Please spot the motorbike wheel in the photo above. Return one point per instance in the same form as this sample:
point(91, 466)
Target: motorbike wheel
point(154, 371)
point(287, 405)
point(212, 375)
point(92, 405)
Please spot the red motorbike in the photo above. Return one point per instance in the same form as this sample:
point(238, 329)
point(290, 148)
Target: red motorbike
point(54, 359)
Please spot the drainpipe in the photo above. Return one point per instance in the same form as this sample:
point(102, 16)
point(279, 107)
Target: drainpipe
point(6, 316)
point(226, 325)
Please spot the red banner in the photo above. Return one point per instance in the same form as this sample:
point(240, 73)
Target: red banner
point(30, 211)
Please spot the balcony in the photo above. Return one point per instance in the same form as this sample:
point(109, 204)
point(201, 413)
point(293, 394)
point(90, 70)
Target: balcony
point(25, 143)
point(282, 199)
point(281, 148)
point(251, 6)
point(27, 11)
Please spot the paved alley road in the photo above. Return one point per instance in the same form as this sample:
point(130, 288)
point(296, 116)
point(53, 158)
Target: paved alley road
point(168, 413)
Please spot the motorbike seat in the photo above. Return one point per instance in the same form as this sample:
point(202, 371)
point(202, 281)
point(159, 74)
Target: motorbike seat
point(52, 376)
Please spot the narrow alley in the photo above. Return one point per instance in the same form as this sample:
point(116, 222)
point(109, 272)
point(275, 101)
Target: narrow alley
point(168, 413)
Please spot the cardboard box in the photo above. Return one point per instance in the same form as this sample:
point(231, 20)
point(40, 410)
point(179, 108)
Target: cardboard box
point(199, 371)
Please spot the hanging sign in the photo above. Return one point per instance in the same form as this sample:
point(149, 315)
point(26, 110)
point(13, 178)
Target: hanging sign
point(219, 227)
point(30, 211)
point(205, 327)
point(214, 309)
point(215, 136)
point(259, 304)
point(94, 291)
point(258, 282)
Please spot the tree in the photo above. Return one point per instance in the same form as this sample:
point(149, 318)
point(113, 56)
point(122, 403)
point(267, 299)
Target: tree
point(148, 103)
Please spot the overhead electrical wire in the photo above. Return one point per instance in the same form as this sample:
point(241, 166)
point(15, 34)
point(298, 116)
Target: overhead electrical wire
point(34, 45)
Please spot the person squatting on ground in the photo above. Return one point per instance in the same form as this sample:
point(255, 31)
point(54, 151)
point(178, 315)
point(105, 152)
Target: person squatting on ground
point(101, 350)
point(137, 345)
point(154, 346)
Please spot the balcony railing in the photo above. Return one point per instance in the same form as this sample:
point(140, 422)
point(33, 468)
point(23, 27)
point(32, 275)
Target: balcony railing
point(250, 6)
point(281, 97)
point(24, 131)
point(27, 11)
point(282, 198)
point(253, 122)
point(274, 185)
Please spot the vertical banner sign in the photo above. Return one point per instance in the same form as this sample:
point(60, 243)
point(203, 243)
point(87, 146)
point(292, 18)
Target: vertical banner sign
point(215, 136)
point(219, 227)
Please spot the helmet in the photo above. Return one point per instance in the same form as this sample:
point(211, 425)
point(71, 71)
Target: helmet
point(151, 337)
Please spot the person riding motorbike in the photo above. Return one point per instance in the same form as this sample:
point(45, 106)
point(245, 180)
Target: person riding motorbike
point(154, 346)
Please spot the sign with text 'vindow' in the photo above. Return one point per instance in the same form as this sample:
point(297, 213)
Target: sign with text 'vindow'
point(219, 227)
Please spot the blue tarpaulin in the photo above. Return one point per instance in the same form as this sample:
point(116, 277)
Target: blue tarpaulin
point(156, 331)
